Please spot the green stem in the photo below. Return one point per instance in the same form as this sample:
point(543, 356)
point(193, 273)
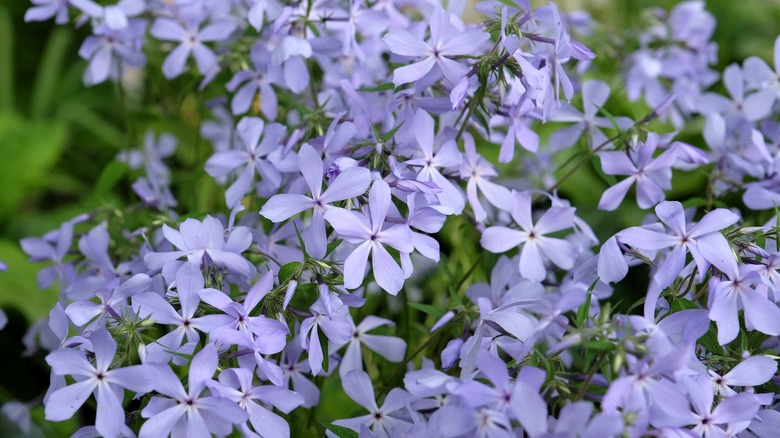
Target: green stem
point(584, 388)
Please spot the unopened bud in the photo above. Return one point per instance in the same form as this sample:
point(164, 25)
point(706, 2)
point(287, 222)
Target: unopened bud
point(289, 293)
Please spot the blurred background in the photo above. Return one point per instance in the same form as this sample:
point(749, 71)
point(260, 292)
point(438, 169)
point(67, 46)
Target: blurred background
point(58, 141)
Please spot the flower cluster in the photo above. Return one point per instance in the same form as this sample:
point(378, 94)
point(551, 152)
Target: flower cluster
point(360, 131)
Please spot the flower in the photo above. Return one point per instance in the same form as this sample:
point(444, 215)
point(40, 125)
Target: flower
point(350, 183)
point(190, 412)
point(652, 175)
point(107, 384)
point(703, 240)
point(447, 156)
point(196, 239)
point(389, 347)
point(532, 236)
point(369, 234)
point(358, 387)
point(190, 39)
point(235, 384)
point(261, 157)
point(445, 43)
point(189, 282)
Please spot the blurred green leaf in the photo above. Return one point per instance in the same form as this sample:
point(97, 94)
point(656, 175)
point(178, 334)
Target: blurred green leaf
point(31, 149)
point(287, 271)
point(340, 431)
point(93, 123)
point(109, 178)
point(427, 309)
point(6, 60)
point(18, 287)
point(50, 72)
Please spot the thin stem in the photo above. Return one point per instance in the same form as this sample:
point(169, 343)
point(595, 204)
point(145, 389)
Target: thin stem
point(584, 388)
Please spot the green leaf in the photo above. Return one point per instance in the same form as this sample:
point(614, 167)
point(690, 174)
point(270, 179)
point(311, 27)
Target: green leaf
point(391, 133)
point(50, 72)
point(710, 340)
point(305, 295)
point(600, 345)
point(694, 202)
point(109, 178)
point(30, 149)
point(381, 87)
point(509, 3)
point(287, 271)
point(300, 241)
point(610, 117)
point(610, 180)
point(582, 312)
point(682, 304)
point(6, 60)
point(18, 288)
point(339, 431)
point(427, 309)
point(333, 245)
point(93, 123)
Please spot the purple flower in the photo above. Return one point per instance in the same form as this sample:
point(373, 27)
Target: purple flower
point(113, 302)
point(268, 336)
point(753, 371)
point(290, 54)
point(348, 184)
point(594, 95)
point(703, 240)
point(110, 51)
point(760, 77)
point(257, 157)
point(336, 328)
point(196, 239)
point(577, 417)
point(294, 374)
point(190, 41)
point(431, 161)
point(729, 295)
point(476, 169)
point(612, 265)
point(734, 412)
point(155, 150)
point(645, 385)
point(235, 384)
point(53, 246)
point(519, 131)
point(45, 9)
point(94, 246)
point(532, 236)
point(190, 412)
point(154, 194)
point(115, 17)
point(652, 175)
point(454, 421)
point(238, 313)
point(189, 282)
point(261, 9)
point(246, 84)
point(389, 347)
point(107, 384)
point(445, 43)
point(18, 413)
point(424, 217)
point(358, 387)
point(368, 233)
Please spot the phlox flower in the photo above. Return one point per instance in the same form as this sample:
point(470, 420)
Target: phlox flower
point(369, 234)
